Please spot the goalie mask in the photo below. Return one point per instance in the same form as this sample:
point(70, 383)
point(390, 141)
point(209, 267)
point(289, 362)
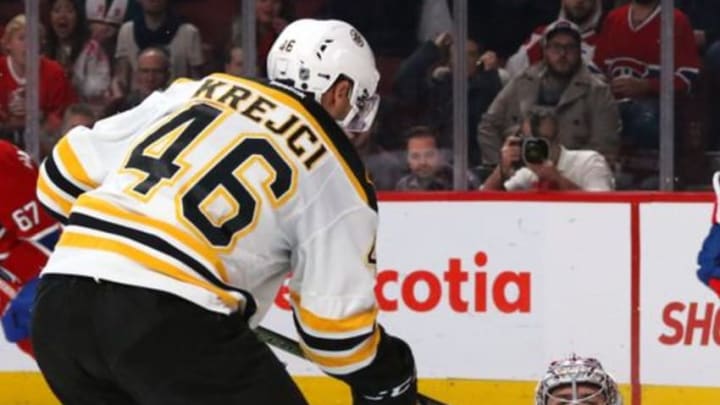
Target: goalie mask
point(310, 55)
point(577, 381)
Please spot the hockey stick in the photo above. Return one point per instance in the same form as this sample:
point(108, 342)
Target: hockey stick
point(288, 345)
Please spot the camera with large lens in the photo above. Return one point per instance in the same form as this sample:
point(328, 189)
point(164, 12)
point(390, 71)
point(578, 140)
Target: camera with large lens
point(535, 150)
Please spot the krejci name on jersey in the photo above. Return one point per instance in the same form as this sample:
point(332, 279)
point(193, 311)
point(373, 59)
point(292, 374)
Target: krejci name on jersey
point(255, 106)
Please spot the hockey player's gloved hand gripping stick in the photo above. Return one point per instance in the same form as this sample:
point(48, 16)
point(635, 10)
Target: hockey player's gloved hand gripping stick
point(288, 345)
point(709, 256)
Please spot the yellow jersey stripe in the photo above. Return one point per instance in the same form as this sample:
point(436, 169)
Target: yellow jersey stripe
point(362, 320)
point(72, 164)
point(63, 203)
point(70, 238)
point(367, 350)
point(197, 246)
point(181, 80)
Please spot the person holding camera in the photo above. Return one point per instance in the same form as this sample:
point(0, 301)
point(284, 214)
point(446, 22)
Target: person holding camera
point(587, 113)
point(532, 157)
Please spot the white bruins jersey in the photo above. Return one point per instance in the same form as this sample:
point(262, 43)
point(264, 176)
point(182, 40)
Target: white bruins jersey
point(214, 190)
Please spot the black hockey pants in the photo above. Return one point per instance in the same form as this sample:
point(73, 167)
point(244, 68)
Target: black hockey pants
point(102, 343)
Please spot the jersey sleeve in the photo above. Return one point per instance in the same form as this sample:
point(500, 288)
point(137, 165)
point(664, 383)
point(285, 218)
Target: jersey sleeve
point(332, 288)
point(597, 176)
point(83, 158)
point(332, 294)
point(687, 59)
point(603, 44)
point(335, 311)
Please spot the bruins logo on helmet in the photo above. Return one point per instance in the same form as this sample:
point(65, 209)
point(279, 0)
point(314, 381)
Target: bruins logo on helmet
point(357, 38)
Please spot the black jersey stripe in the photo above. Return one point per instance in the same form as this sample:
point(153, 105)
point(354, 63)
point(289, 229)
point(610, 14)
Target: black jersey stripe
point(341, 142)
point(318, 343)
point(55, 214)
point(161, 245)
point(57, 178)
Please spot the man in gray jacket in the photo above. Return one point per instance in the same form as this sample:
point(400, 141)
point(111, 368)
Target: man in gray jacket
point(586, 109)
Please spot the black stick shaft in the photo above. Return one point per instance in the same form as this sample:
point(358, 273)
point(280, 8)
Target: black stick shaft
point(288, 345)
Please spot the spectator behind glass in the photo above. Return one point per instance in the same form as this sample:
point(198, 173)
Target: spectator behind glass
point(628, 52)
point(75, 115)
point(705, 17)
point(84, 59)
point(384, 167)
point(68, 32)
point(153, 74)
point(587, 112)
point(271, 17)
point(586, 14)
point(105, 17)
point(564, 169)
point(157, 26)
point(424, 80)
point(429, 169)
point(55, 90)
point(234, 61)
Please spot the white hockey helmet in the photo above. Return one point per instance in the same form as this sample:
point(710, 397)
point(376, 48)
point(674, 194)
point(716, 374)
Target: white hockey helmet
point(310, 55)
point(575, 371)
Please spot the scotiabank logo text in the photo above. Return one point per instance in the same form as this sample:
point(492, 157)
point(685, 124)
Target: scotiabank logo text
point(422, 290)
point(691, 324)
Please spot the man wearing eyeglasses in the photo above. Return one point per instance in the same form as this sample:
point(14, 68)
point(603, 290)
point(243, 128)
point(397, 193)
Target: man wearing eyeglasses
point(586, 111)
point(587, 14)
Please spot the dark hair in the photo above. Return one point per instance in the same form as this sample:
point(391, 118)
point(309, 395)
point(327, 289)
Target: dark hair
point(571, 33)
point(79, 109)
point(420, 131)
point(159, 49)
point(537, 114)
point(78, 37)
point(165, 54)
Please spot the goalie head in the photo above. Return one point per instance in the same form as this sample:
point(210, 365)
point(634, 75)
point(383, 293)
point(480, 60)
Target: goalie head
point(577, 381)
point(315, 56)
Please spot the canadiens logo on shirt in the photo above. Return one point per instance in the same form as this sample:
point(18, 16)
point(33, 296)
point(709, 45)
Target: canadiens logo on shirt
point(630, 67)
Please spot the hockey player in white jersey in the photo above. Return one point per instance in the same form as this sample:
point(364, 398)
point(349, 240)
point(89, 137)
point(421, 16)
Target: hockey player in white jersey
point(185, 214)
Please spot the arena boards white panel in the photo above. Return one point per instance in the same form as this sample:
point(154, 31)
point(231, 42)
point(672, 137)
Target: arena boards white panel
point(574, 260)
point(539, 280)
point(680, 329)
point(12, 359)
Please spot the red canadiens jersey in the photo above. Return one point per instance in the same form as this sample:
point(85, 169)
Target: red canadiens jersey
point(623, 50)
point(27, 232)
point(56, 92)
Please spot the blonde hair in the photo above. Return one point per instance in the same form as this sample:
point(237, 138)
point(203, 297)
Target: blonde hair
point(13, 26)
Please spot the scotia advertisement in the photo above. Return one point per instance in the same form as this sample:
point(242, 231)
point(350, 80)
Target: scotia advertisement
point(494, 290)
point(488, 289)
